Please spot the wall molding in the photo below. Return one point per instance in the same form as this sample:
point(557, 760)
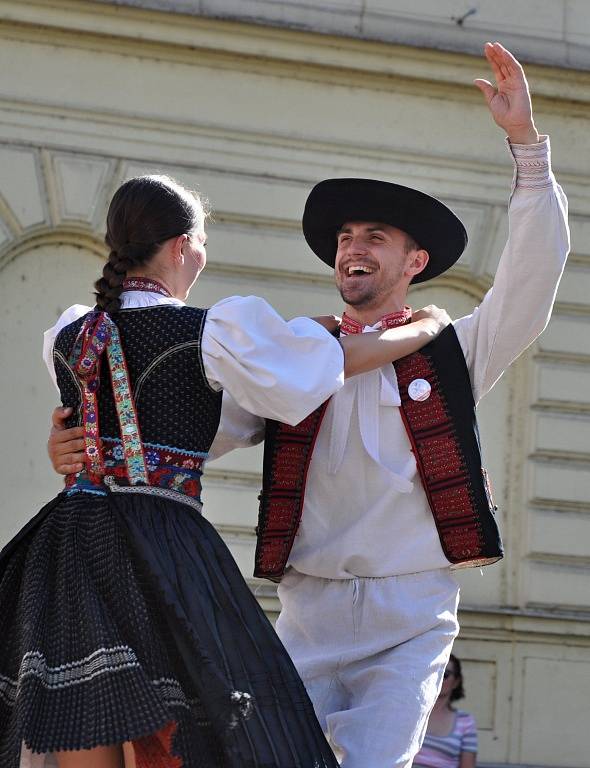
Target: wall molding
point(309, 50)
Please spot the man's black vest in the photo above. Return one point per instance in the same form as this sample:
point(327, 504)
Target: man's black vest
point(445, 441)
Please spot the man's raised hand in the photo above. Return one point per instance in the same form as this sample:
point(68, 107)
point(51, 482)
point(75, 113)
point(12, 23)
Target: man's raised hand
point(509, 101)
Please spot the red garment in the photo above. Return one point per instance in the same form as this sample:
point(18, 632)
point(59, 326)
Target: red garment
point(392, 320)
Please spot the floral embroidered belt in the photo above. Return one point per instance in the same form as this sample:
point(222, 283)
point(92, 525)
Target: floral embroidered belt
point(172, 473)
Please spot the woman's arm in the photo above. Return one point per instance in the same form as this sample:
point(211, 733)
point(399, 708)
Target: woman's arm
point(467, 759)
point(364, 352)
point(468, 741)
point(284, 371)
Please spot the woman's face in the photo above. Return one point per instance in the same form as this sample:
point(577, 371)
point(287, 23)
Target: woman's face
point(450, 680)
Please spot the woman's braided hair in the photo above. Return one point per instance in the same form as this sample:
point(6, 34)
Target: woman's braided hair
point(144, 213)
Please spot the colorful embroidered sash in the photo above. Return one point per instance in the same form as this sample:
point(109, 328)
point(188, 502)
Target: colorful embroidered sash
point(97, 335)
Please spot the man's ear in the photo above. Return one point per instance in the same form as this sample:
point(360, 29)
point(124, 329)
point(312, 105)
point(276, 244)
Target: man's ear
point(417, 262)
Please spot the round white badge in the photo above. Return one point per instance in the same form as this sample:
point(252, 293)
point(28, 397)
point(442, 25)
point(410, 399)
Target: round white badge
point(419, 389)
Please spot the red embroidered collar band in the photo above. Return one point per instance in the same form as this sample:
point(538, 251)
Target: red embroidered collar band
point(144, 284)
point(392, 320)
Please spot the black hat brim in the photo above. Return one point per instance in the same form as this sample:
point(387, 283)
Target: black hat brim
point(333, 202)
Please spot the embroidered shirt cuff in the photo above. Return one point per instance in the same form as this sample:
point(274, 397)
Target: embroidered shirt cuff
point(532, 165)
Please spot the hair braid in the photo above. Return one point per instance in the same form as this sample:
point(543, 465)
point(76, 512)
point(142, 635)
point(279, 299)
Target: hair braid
point(110, 286)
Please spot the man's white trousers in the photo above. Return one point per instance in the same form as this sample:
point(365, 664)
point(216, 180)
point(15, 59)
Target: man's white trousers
point(371, 653)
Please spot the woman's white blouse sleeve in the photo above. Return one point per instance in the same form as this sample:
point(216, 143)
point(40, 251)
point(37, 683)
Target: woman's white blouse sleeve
point(69, 316)
point(272, 368)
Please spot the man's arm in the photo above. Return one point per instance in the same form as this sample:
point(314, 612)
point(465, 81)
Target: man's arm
point(237, 429)
point(518, 306)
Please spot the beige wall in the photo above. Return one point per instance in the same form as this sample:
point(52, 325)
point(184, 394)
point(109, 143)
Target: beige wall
point(91, 94)
point(543, 31)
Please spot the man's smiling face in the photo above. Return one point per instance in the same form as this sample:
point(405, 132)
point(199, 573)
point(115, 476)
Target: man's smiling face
point(371, 259)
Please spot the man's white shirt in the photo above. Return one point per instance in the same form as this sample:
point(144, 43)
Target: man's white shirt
point(366, 513)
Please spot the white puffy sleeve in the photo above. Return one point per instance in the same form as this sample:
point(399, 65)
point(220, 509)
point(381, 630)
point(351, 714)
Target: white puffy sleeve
point(272, 368)
point(70, 315)
point(518, 306)
point(237, 429)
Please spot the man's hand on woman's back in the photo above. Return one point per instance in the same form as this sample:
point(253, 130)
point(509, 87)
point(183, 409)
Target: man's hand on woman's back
point(65, 446)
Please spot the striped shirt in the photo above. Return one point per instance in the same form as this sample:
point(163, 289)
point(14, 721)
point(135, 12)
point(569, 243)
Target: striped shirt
point(445, 751)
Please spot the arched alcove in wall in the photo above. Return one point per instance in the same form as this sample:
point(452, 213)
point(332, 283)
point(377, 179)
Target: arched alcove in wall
point(40, 276)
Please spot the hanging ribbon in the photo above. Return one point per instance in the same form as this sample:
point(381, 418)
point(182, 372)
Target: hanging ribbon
point(97, 335)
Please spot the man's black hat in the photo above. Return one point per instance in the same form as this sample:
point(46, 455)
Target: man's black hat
point(429, 222)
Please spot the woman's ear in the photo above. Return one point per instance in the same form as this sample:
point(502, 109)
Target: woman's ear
point(177, 249)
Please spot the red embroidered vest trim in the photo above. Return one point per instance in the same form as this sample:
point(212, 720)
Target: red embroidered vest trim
point(443, 432)
point(441, 462)
point(281, 500)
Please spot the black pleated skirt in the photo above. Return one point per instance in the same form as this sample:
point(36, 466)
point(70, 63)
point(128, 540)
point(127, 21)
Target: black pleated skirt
point(125, 618)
